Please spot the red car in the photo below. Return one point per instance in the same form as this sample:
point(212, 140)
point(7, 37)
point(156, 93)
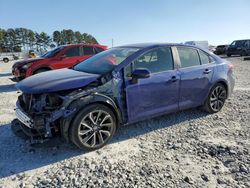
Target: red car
point(60, 57)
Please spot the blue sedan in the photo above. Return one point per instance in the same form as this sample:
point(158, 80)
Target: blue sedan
point(87, 103)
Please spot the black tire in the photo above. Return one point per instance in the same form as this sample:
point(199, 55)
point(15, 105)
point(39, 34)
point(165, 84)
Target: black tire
point(216, 98)
point(228, 55)
point(5, 60)
point(93, 134)
point(40, 71)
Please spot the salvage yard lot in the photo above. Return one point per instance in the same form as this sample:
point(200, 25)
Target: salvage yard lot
point(185, 149)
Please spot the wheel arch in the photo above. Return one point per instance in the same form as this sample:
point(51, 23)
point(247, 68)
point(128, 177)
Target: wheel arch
point(221, 81)
point(80, 103)
point(42, 67)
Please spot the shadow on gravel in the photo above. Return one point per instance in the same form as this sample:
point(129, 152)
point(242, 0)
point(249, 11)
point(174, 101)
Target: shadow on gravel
point(17, 155)
point(5, 74)
point(7, 88)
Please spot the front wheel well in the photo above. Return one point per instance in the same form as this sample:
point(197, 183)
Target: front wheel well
point(41, 69)
point(66, 123)
point(118, 121)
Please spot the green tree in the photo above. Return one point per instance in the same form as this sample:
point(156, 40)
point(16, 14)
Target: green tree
point(2, 39)
point(45, 40)
point(89, 39)
point(31, 39)
point(57, 37)
point(78, 37)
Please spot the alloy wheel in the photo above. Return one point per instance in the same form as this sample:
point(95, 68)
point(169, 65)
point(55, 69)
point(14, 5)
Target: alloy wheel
point(95, 128)
point(218, 98)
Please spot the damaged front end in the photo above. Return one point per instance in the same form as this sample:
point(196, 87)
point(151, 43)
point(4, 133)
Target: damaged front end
point(39, 116)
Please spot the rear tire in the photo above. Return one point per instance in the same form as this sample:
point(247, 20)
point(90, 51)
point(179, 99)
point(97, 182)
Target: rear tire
point(228, 55)
point(93, 127)
point(216, 98)
point(5, 60)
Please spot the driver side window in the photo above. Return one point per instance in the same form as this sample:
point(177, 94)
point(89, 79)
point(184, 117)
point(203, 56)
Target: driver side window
point(156, 60)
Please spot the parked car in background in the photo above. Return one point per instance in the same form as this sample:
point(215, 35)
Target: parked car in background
point(239, 47)
point(221, 49)
point(60, 57)
point(9, 56)
point(120, 86)
point(211, 48)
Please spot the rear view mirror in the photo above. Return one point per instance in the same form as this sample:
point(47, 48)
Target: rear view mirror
point(140, 74)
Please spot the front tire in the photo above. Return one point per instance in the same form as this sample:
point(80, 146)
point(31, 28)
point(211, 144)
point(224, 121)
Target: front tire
point(216, 98)
point(93, 127)
point(228, 55)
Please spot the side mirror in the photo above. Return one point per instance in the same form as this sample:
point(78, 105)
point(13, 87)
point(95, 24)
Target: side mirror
point(140, 74)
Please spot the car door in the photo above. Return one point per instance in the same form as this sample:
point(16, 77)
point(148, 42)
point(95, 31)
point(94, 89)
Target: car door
point(68, 58)
point(157, 94)
point(196, 71)
point(239, 45)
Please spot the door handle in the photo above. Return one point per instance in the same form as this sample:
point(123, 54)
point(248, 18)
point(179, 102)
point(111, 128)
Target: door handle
point(173, 79)
point(207, 71)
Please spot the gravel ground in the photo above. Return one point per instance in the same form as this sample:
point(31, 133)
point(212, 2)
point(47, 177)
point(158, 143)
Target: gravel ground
point(185, 149)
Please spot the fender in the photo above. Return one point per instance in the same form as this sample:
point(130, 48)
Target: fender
point(83, 101)
point(30, 71)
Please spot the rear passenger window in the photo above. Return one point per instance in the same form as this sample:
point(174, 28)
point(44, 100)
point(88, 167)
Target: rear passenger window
point(74, 51)
point(88, 50)
point(189, 57)
point(204, 58)
point(156, 60)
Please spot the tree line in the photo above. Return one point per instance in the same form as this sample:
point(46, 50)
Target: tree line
point(18, 39)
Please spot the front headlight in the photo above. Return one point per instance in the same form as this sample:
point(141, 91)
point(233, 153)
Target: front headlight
point(26, 65)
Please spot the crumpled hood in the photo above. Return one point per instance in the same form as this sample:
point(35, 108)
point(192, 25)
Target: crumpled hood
point(56, 80)
point(23, 62)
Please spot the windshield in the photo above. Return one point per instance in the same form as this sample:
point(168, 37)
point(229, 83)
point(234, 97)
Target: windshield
point(105, 61)
point(52, 53)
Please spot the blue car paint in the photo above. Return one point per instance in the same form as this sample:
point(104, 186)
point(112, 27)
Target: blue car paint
point(157, 94)
point(57, 80)
point(148, 98)
point(194, 85)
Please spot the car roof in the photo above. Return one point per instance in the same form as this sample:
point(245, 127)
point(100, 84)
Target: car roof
point(82, 44)
point(241, 40)
point(153, 45)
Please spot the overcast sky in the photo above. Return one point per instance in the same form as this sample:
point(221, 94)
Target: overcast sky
point(134, 21)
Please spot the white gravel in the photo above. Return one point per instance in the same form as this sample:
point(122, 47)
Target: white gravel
point(185, 149)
